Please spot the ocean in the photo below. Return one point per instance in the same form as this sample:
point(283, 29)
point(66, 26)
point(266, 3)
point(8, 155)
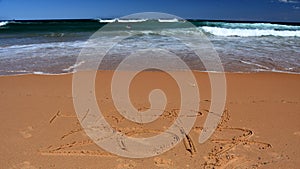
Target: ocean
point(52, 46)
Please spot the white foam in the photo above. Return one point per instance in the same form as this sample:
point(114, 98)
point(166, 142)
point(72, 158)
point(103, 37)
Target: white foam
point(255, 64)
point(261, 26)
point(3, 23)
point(168, 20)
point(45, 73)
point(249, 32)
point(107, 20)
point(275, 71)
point(73, 66)
point(38, 73)
point(15, 71)
point(131, 20)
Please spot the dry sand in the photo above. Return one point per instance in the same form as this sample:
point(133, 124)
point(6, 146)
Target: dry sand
point(260, 127)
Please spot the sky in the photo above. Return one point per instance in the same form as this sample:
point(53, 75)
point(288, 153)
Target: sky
point(245, 10)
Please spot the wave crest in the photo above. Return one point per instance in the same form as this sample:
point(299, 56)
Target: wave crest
point(3, 23)
point(249, 32)
point(168, 20)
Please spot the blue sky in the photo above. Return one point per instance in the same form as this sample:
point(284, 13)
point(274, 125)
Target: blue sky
point(262, 10)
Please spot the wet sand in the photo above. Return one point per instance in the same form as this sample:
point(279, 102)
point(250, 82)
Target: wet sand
point(260, 126)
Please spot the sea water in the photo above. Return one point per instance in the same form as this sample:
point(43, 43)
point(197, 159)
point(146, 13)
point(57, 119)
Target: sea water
point(52, 46)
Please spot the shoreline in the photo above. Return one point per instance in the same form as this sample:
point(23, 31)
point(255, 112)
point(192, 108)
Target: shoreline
point(195, 71)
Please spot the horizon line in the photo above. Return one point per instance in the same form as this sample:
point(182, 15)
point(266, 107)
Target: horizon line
point(188, 19)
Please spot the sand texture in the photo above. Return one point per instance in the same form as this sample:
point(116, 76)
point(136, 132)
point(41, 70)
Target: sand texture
point(260, 126)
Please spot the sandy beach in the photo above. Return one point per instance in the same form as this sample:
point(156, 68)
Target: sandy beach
point(260, 126)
